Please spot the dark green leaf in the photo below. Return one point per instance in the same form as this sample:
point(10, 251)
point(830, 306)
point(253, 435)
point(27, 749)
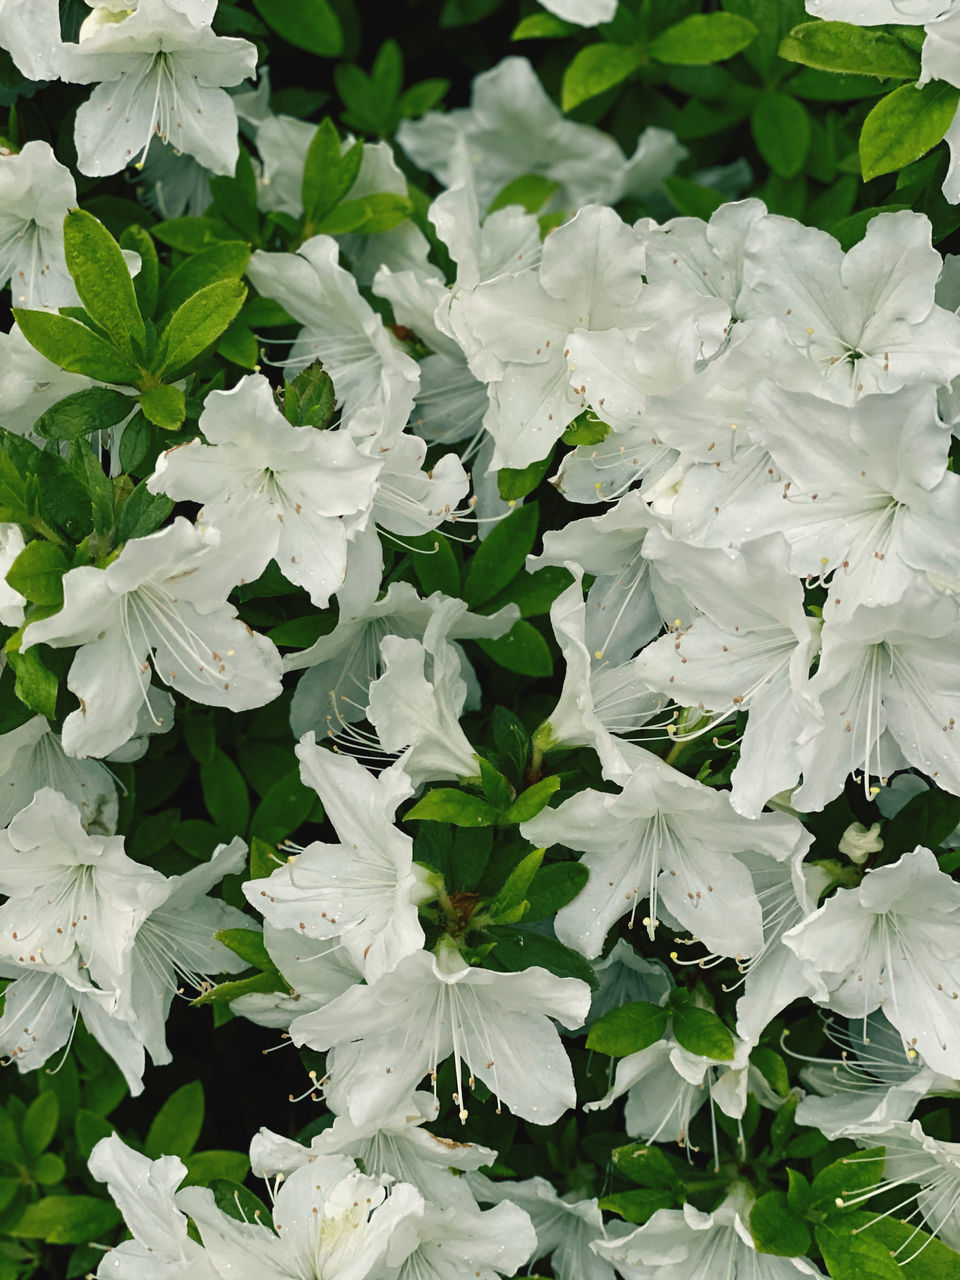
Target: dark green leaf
point(176, 1126)
point(308, 24)
point(523, 649)
point(139, 444)
point(773, 1069)
point(532, 593)
point(846, 1177)
point(904, 126)
point(89, 1129)
point(225, 793)
point(637, 1206)
point(518, 949)
point(94, 409)
point(309, 400)
point(328, 175)
point(701, 1032)
point(781, 130)
point(285, 806)
point(553, 887)
point(514, 483)
point(36, 686)
point(142, 513)
point(776, 1228)
point(647, 1166)
point(501, 555)
point(238, 1203)
point(103, 282)
point(39, 1124)
point(927, 819)
point(628, 1029)
point(695, 201)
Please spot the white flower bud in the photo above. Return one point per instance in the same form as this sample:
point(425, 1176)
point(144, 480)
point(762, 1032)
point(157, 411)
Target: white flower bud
point(858, 842)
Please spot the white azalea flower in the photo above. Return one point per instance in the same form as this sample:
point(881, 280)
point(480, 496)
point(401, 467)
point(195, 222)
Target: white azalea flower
point(667, 838)
point(513, 128)
point(316, 971)
point(143, 1191)
point(159, 73)
point(890, 944)
point(36, 191)
point(329, 1221)
point(874, 13)
point(586, 13)
point(453, 1240)
point(175, 946)
point(30, 32)
point(40, 1012)
point(152, 603)
point(271, 490)
point(69, 891)
point(866, 318)
point(31, 757)
point(386, 1037)
point(374, 380)
point(174, 184)
point(685, 1244)
point(365, 890)
point(11, 601)
point(625, 976)
point(29, 382)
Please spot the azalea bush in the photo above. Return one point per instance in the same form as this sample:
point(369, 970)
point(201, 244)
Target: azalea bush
point(480, 590)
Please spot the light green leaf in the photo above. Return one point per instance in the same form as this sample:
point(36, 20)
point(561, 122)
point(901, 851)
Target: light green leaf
point(74, 347)
point(781, 129)
point(176, 1126)
point(36, 686)
point(543, 26)
point(197, 324)
point(48, 1169)
point(308, 24)
point(529, 803)
point(904, 125)
point(530, 192)
point(447, 804)
point(514, 890)
point(94, 409)
point(225, 261)
point(846, 1177)
point(66, 1220)
point(637, 1206)
point(37, 573)
point(327, 175)
point(248, 945)
point(259, 983)
point(628, 1029)
point(164, 406)
point(146, 282)
point(597, 68)
point(514, 483)
point(366, 215)
point(855, 1257)
point(701, 1032)
point(103, 282)
point(702, 38)
point(840, 46)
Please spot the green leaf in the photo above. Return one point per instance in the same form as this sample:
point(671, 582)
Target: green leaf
point(776, 1228)
point(366, 215)
point(225, 793)
point(517, 482)
point(496, 788)
point(139, 444)
point(66, 1220)
point(597, 68)
point(94, 409)
point(36, 686)
point(543, 26)
point(781, 129)
point(701, 1032)
point(89, 1129)
point(846, 1177)
point(238, 1203)
point(586, 429)
point(530, 192)
point(74, 347)
point(850, 231)
point(532, 593)
point(514, 889)
point(39, 1124)
point(191, 235)
point(225, 261)
point(929, 1258)
point(205, 1166)
point(798, 1192)
point(176, 1126)
point(48, 1169)
point(37, 573)
point(553, 887)
point(164, 406)
point(689, 198)
point(529, 803)
point(773, 19)
point(239, 345)
point(501, 555)
point(628, 1029)
point(773, 1069)
point(103, 282)
point(309, 400)
point(647, 1166)
point(637, 1206)
point(235, 197)
point(523, 649)
point(308, 24)
point(284, 807)
point(927, 819)
point(248, 945)
point(327, 175)
point(226, 991)
point(13, 491)
point(447, 804)
point(197, 324)
point(702, 38)
point(855, 1257)
point(434, 563)
point(518, 949)
point(147, 280)
point(142, 513)
point(839, 46)
point(904, 125)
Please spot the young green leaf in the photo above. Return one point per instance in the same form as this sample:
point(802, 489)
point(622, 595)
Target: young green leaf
point(103, 282)
point(248, 945)
point(196, 325)
point(37, 572)
point(702, 38)
point(904, 125)
point(597, 68)
point(65, 1219)
point(529, 803)
point(164, 406)
point(514, 890)
point(366, 215)
point(327, 175)
point(447, 804)
point(628, 1029)
point(225, 261)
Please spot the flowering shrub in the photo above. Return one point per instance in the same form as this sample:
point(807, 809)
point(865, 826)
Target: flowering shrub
point(479, 776)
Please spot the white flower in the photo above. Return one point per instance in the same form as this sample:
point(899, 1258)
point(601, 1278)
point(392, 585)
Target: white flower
point(143, 1191)
point(35, 193)
point(69, 891)
point(31, 757)
point(586, 13)
point(174, 184)
point(329, 1221)
point(513, 128)
point(317, 972)
point(175, 946)
point(161, 74)
point(29, 382)
point(30, 32)
point(364, 890)
point(451, 1241)
point(874, 13)
point(685, 1244)
point(625, 976)
point(152, 602)
point(667, 838)
point(891, 944)
point(272, 491)
point(11, 601)
point(386, 1037)
point(374, 380)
